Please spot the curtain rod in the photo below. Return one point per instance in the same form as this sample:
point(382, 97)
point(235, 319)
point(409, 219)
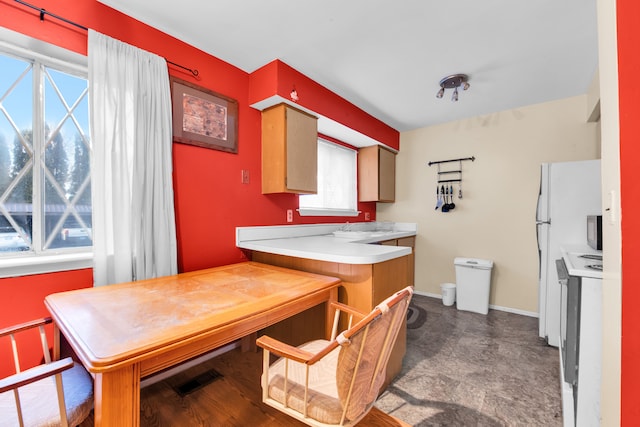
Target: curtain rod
point(44, 12)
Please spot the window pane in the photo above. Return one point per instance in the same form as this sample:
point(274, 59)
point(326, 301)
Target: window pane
point(16, 154)
point(336, 179)
point(67, 197)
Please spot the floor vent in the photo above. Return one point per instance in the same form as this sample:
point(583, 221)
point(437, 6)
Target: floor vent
point(196, 383)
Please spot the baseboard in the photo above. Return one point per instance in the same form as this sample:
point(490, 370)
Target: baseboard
point(493, 307)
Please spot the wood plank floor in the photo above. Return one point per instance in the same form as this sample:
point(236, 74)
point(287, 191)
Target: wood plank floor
point(231, 400)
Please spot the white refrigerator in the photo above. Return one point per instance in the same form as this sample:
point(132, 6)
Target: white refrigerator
point(569, 191)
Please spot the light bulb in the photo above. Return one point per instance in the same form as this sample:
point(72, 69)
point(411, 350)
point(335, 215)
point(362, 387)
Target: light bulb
point(440, 93)
point(466, 86)
point(454, 97)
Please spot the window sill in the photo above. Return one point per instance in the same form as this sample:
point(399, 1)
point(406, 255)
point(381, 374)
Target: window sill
point(26, 265)
point(327, 212)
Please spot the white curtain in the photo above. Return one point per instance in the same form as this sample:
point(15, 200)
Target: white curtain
point(133, 215)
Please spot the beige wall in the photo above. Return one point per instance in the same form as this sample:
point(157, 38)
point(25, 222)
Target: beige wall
point(495, 219)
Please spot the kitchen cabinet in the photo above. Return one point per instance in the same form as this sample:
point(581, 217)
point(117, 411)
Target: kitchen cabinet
point(289, 150)
point(411, 243)
point(376, 174)
point(363, 287)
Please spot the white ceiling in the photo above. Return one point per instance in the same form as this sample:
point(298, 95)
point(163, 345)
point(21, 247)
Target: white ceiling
point(387, 57)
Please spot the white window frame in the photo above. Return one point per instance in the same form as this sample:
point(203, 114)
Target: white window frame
point(331, 211)
point(13, 43)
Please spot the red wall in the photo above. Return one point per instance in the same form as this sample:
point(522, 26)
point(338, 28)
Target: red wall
point(22, 300)
point(210, 199)
point(628, 12)
point(278, 78)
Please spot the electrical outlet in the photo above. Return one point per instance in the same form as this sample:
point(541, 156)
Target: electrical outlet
point(245, 176)
point(289, 215)
point(367, 216)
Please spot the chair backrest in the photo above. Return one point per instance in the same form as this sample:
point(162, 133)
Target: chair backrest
point(365, 351)
point(29, 395)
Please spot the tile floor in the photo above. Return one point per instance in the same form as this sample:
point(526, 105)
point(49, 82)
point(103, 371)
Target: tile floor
point(468, 369)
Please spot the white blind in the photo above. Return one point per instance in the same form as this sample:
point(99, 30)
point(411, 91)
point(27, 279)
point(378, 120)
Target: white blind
point(337, 185)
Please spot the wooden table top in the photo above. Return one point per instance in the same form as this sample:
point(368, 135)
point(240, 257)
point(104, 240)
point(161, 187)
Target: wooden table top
point(113, 324)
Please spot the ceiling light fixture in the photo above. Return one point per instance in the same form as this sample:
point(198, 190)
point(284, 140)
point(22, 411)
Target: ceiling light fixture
point(453, 81)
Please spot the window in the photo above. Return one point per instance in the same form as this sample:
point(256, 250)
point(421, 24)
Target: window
point(45, 181)
point(337, 185)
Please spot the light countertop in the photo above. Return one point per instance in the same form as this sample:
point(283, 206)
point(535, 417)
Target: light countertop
point(577, 265)
point(318, 241)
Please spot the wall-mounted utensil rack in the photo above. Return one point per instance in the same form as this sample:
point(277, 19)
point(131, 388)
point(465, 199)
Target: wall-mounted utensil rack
point(445, 193)
point(458, 171)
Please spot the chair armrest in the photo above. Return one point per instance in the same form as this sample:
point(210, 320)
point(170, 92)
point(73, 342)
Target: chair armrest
point(24, 326)
point(283, 350)
point(293, 353)
point(35, 374)
point(347, 309)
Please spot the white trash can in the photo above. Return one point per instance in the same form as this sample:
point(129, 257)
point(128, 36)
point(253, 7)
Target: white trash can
point(448, 293)
point(473, 279)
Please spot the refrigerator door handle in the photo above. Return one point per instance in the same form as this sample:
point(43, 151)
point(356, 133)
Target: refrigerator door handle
point(539, 222)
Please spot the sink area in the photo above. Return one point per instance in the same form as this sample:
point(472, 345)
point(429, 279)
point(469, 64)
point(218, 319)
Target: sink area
point(356, 235)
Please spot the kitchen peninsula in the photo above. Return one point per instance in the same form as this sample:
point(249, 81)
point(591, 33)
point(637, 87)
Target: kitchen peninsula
point(373, 260)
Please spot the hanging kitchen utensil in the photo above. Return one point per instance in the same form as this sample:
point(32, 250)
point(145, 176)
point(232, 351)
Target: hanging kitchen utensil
point(451, 205)
point(439, 201)
point(445, 207)
point(446, 197)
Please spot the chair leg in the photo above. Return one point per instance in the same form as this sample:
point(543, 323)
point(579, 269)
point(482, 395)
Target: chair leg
point(61, 404)
point(18, 407)
point(265, 374)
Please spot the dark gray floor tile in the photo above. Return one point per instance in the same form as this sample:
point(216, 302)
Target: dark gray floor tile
point(468, 369)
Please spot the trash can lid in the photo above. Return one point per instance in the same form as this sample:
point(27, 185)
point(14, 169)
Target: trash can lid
point(483, 264)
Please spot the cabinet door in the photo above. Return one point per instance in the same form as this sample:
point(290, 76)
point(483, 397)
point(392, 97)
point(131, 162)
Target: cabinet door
point(289, 151)
point(387, 172)
point(302, 152)
point(368, 174)
point(410, 242)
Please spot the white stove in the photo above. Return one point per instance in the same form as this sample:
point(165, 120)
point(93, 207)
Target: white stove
point(581, 333)
point(583, 261)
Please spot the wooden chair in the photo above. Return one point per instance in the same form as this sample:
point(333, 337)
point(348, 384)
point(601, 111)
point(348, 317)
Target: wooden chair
point(27, 398)
point(335, 382)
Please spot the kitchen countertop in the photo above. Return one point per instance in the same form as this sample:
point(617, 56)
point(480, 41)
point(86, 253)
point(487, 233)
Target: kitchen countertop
point(577, 265)
point(318, 241)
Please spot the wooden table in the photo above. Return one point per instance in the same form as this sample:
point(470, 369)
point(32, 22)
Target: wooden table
point(127, 331)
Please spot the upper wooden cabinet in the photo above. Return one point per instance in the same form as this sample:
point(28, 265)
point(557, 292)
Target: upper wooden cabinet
point(289, 151)
point(376, 174)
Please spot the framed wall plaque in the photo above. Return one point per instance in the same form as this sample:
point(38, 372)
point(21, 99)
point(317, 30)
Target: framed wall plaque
point(204, 118)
